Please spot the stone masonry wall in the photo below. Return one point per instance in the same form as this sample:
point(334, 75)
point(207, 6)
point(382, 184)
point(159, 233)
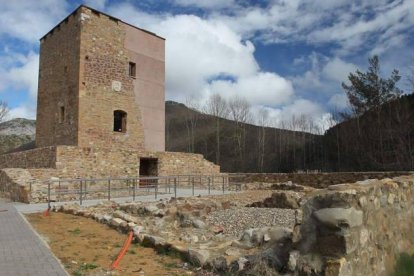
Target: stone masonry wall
point(175, 163)
point(68, 162)
point(58, 85)
point(75, 162)
point(316, 180)
point(103, 62)
point(355, 229)
point(35, 158)
point(72, 162)
point(14, 184)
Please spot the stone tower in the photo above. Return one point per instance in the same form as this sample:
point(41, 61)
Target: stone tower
point(101, 84)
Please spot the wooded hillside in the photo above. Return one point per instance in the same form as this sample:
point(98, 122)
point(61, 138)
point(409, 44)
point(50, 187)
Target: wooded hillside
point(374, 141)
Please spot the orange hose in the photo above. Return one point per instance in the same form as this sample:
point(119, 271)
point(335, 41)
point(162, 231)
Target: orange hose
point(46, 213)
point(123, 251)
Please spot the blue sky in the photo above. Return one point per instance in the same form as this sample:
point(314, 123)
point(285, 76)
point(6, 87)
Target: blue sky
point(288, 57)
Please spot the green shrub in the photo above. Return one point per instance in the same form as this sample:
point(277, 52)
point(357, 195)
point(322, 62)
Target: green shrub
point(405, 265)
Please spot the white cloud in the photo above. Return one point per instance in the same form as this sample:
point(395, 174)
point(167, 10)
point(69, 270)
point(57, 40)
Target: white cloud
point(260, 89)
point(353, 31)
point(324, 77)
point(19, 72)
point(23, 75)
point(302, 107)
point(96, 4)
point(198, 50)
point(30, 20)
point(347, 24)
point(339, 102)
point(210, 4)
point(317, 119)
point(22, 111)
point(134, 16)
point(311, 78)
point(338, 70)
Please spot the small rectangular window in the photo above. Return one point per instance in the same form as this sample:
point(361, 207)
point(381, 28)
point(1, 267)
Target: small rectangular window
point(120, 121)
point(132, 69)
point(62, 114)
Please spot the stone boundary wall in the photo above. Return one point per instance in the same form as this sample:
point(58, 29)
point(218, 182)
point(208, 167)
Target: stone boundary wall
point(34, 158)
point(174, 163)
point(317, 180)
point(14, 184)
point(355, 229)
point(72, 162)
point(69, 162)
point(75, 162)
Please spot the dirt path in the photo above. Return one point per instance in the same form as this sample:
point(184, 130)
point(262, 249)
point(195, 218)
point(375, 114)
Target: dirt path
point(86, 247)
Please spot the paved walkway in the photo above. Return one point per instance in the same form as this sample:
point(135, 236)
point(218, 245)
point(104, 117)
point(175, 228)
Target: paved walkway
point(22, 252)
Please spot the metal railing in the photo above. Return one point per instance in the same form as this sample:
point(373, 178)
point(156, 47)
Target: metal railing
point(80, 189)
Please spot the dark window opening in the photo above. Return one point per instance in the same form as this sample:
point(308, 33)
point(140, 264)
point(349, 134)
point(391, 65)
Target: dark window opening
point(65, 69)
point(148, 167)
point(120, 121)
point(132, 69)
point(61, 114)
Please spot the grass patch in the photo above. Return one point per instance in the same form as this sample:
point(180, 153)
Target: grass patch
point(405, 265)
point(87, 266)
point(75, 231)
point(77, 273)
point(170, 265)
point(84, 267)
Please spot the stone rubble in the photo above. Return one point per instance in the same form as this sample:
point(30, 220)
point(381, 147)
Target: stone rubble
point(347, 229)
point(200, 230)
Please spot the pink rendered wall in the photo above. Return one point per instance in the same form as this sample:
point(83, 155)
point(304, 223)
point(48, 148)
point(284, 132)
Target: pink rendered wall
point(148, 52)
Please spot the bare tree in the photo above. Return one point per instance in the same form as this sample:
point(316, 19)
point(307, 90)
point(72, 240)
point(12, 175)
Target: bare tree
point(239, 109)
point(303, 127)
point(282, 134)
point(333, 120)
point(191, 118)
point(217, 107)
point(263, 116)
point(410, 76)
point(4, 110)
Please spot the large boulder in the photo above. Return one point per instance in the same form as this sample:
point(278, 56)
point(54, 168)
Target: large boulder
point(198, 256)
point(339, 217)
point(257, 236)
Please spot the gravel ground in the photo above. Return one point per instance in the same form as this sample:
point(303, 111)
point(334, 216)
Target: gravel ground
point(235, 221)
point(244, 198)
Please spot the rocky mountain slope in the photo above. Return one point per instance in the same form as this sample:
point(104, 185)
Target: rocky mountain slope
point(15, 133)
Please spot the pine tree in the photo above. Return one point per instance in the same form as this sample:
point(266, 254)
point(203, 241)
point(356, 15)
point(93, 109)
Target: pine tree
point(368, 90)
